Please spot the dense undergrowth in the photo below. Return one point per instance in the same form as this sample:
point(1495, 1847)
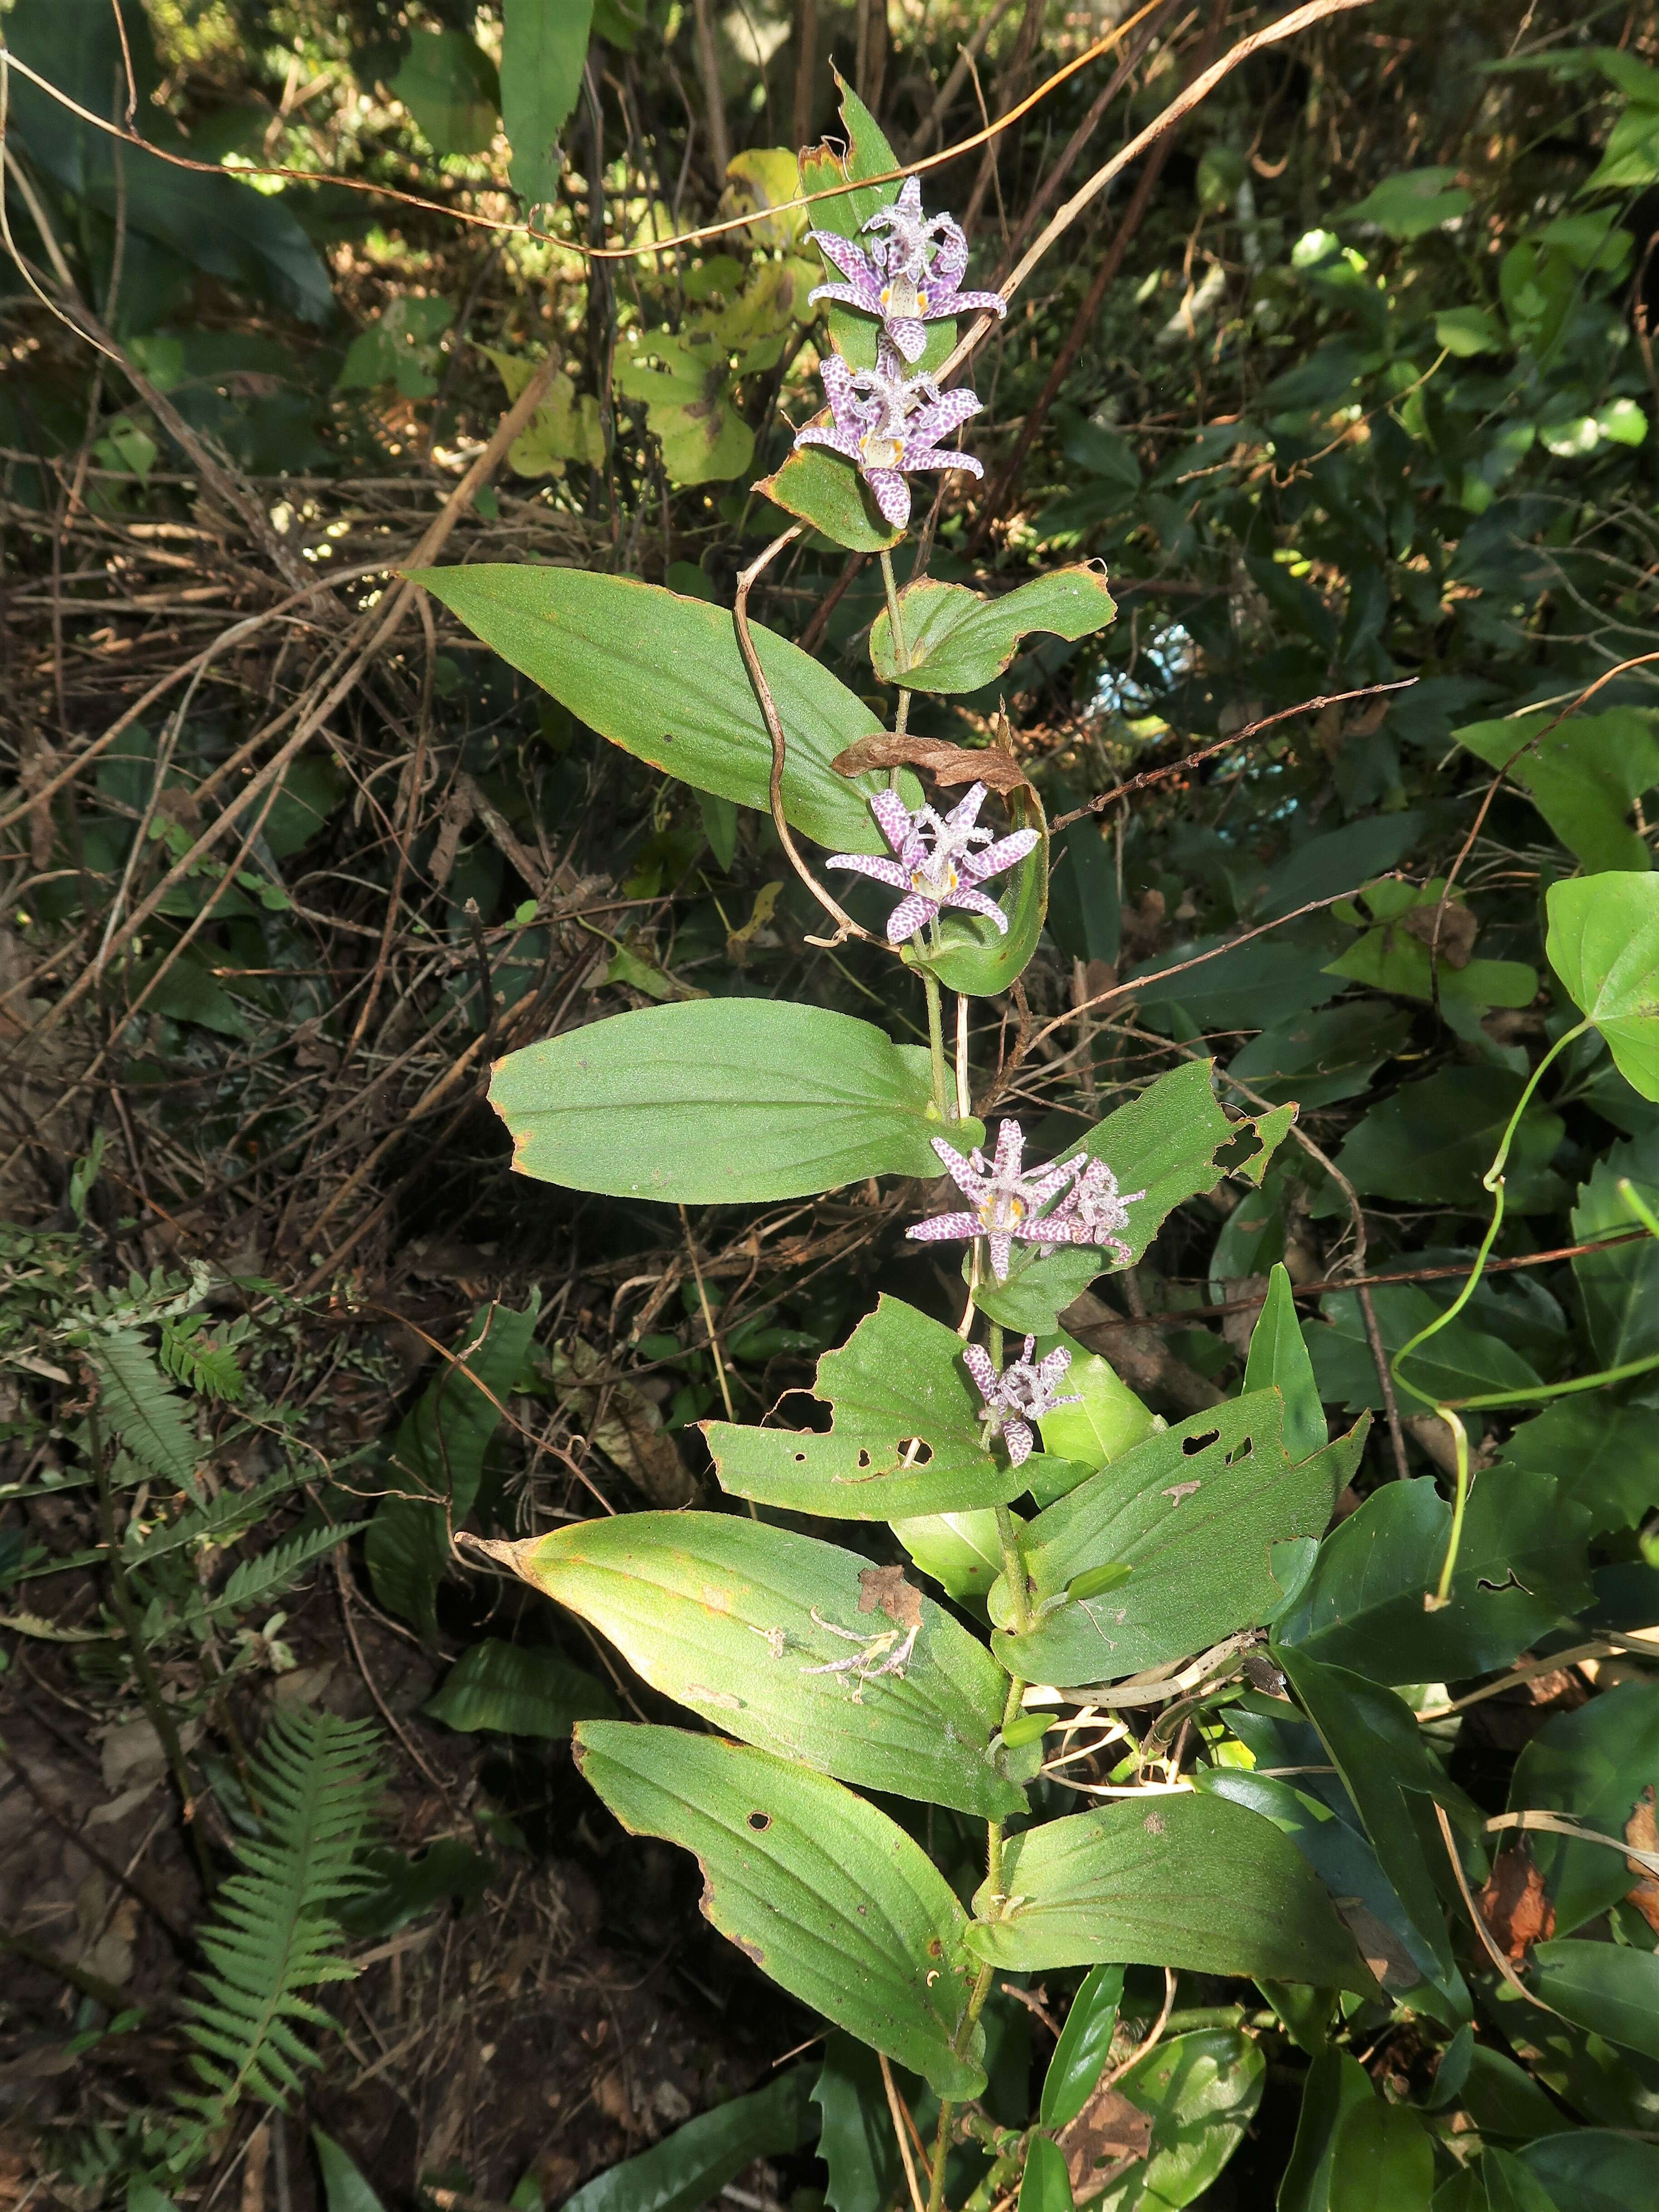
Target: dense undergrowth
point(1347, 380)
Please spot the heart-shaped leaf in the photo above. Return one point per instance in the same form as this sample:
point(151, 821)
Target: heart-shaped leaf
point(955, 640)
point(1603, 943)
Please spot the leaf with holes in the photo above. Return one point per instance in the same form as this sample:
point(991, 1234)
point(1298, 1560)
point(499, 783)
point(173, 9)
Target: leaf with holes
point(904, 1438)
point(1167, 1879)
point(1171, 1142)
point(825, 1893)
point(718, 1100)
point(791, 1644)
point(955, 639)
point(1191, 1512)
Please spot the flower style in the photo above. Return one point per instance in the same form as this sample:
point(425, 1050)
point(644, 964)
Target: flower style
point(911, 276)
point(1097, 1210)
point(889, 422)
point(945, 872)
point(1024, 1392)
point(1005, 1204)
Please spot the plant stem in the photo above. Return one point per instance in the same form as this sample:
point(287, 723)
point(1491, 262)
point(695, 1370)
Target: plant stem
point(148, 1683)
point(901, 657)
point(1493, 1181)
point(1014, 1568)
point(1460, 1440)
point(943, 1095)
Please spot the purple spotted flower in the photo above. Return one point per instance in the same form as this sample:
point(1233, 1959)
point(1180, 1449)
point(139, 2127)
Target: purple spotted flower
point(1005, 1203)
point(1025, 1390)
point(1096, 1210)
point(890, 423)
point(910, 276)
point(935, 863)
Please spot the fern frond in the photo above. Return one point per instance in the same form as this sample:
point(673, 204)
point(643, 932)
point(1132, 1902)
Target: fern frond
point(203, 1364)
point(273, 1934)
point(258, 1579)
point(221, 1521)
point(137, 1402)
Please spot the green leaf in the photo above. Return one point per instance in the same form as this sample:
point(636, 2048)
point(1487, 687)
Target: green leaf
point(543, 53)
point(662, 676)
point(1166, 1142)
point(1165, 1880)
point(1433, 1141)
point(1607, 1454)
point(1462, 1361)
point(137, 1401)
point(1391, 1775)
point(1320, 1820)
point(1201, 2092)
point(740, 1621)
point(1408, 204)
point(187, 990)
point(517, 1689)
point(898, 1377)
point(1603, 943)
point(1503, 2100)
point(1193, 1511)
point(344, 2189)
point(691, 2166)
point(1267, 980)
point(1583, 776)
point(1391, 958)
point(976, 957)
point(1045, 2185)
point(828, 490)
point(690, 406)
point(402, 1889)
point(1108, 1420)
point(1594, 1765)
point(956, 640)
point(1607, 1988)
point(440, 1451)
point(824, 1893)
point(1083, 2047)
point(1325, 1054)
point(1619, 1286)
point(1336, 2083)
point(855, 2138)
point(1277, 1360)
point(1383, 2158)
point(449, 86)
point(1594, 2170)
point(1521, 1566)
point(962, 1552)
point(718, 1100)
point(1466, 331)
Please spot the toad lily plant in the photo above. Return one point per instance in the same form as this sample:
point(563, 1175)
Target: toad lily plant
point(895, 1775)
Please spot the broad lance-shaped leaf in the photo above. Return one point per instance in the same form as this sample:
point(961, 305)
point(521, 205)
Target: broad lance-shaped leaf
point(1277, 1360)
point(956, 640)
point(544, 51)
point(1392, 1776)
point(1608, 1988)
point(719, 1099)
point(791, 1644)
point(1603, 943)
point(825, 1893)
point(1521, 1566)
point(1200, 2093)
point(1191, 1513)
point(1164, 1880)
point(1167, 1143)
point(691, 2166)
point(904, 1439)
point(440, 1450)
point(517, 1689)
point(662, 676)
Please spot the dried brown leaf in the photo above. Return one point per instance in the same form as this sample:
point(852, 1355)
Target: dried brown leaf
point(1514, 1905)
point(1458, 931)
point(946, 763)
point(1642, 1830)
point(1108, 2136)
point(883, 1589)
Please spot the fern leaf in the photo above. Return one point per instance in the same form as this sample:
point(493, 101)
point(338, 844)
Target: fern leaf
point(256, 1580)
point(138, 1403)
point(221, 1521)
point(273, 1934)
point(201, 1364)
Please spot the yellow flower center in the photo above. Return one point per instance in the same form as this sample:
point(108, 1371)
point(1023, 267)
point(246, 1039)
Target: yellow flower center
point(879, 450)
point(903, 297)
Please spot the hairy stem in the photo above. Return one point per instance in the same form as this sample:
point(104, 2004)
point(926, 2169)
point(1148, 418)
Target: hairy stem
point(943, 1097)
point(901, 656)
